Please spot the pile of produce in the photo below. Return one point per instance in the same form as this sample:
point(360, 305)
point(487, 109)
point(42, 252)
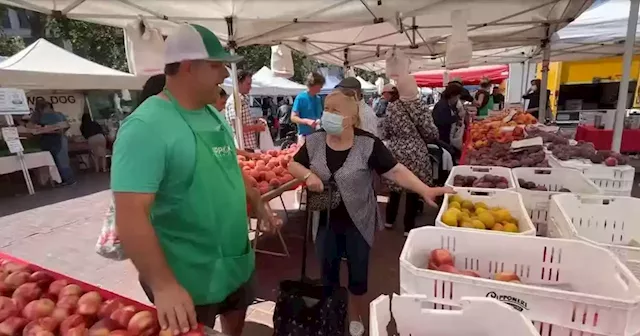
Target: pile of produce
point(501, 155)
point(586, 150)
point(485, 132)
point(532, 186)
point(269, 171)
point(466, 214)
point(442, 260)
point(34, 304)
point(486, 181)
point(547, 137)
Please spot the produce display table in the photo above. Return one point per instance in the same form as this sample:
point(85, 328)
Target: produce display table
point(44, 160)
point(602, 138)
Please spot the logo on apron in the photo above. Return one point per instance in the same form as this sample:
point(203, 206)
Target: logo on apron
point(221, 151)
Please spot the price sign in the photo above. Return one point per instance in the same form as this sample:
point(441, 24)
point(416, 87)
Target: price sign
point(13, 101)
point(15, 146)
point(10, 133)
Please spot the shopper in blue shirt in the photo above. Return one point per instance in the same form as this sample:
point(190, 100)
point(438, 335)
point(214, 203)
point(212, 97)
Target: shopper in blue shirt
point(307, 107)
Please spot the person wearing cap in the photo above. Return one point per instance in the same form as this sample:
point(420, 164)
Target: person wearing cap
point(307, 107)
point(389, 94)
point(368, 120)
point(180, 197)
point(465, 95)
point(484, 99)
point(408, 129)
point(250, 125)
point(345, 155)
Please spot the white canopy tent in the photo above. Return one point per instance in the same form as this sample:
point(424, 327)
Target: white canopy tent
point(45, 66)
point(366, 86)
point(265, 83)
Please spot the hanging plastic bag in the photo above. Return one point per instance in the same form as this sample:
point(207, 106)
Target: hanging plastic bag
point(265, 141)
point(457, 134)
point(108, 244)
point(281, 61)
point(397, 64)
point(459, 48)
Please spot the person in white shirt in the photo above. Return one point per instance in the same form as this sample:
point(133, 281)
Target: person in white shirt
point(368, 119)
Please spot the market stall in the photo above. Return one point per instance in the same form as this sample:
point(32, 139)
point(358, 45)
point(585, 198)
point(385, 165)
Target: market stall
point(266, 83)
point(603, 138)
point(469, 76)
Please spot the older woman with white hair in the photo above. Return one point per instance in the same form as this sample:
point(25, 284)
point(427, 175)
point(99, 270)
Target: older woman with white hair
point(347, 157)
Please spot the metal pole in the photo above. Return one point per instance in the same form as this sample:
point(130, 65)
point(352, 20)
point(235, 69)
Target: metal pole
point(546, 55)
point(525, 81)
point(621, 110)
point(237, 104)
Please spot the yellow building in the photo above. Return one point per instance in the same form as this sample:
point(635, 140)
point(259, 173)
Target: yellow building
point(595, 82)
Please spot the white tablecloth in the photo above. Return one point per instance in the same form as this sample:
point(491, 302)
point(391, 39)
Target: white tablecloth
point(40, 161)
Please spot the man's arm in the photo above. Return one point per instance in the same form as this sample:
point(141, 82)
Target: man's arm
point(296, 116)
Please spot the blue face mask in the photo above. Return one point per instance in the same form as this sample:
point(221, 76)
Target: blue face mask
point(332, 123)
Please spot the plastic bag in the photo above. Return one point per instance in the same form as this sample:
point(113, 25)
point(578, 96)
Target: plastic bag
point(265, 141)
point(457, 133)
point(108, 244)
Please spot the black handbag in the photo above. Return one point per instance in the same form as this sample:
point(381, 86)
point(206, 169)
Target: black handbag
point(327, 199)
point(303, 307)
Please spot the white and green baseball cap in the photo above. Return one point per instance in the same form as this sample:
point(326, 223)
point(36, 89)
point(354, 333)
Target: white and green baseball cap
point(190, 42)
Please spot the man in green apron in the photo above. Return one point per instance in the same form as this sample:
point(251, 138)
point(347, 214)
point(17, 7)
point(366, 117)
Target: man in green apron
point(181, 201)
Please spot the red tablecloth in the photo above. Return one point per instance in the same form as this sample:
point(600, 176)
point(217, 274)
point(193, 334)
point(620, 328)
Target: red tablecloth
point(602, 138)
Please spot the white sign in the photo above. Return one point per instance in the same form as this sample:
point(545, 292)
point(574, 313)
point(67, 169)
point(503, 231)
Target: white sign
point(15, 146)
point(10, 133)
point(13, 101)
point(69, 103)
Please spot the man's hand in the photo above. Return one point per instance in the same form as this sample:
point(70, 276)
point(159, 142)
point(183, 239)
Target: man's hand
point(176, 311)
point(262, 121)
point(270, 221)
point(430, 194)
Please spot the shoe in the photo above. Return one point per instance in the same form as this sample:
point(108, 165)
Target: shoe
point(388, 226)
point(356, 328)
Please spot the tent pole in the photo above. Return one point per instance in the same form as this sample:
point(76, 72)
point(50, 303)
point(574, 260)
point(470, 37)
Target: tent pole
point(525, 80)
point(621, 110)
point(546, 55)
point(237, 104)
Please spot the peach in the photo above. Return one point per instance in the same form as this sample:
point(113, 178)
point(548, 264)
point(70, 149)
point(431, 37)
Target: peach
point(448, 269)
point(12, 267)
point(42, 278)
point(12, 326)
point(77, 331)
point(124, 315)
point(7, 308)
point(103, 327)
point(28, 292)
point(507, 277)
point(71, 289)
point(60, 314)
point(441, 257)
point(470, 273)
point(73, 321)
point(15, 280)
point(68, 302)
point(89, 303)
point(56, 286)
point(165, 332)
point(19, 303)
point(140, 322)
point(44, 323)
point(39, 308)
point(108, 307)
point(121, 332)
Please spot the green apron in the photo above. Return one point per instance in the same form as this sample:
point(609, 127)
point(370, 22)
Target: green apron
point(205, 235)
point(484, 111)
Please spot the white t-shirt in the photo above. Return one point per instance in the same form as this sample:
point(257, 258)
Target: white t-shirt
point(368, 119)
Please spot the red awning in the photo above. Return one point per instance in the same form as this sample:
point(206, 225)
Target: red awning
point(470, 76)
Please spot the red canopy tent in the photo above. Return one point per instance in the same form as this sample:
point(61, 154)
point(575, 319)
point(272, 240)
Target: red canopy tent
point(469, 76)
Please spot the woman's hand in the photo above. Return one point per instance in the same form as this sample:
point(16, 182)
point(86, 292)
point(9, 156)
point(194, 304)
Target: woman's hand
point(314, 183)
point(430, 194)
point(270, 221)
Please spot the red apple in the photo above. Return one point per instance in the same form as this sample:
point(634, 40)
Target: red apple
point(140, 322)
point(28, 292)
point(71, 322)
point(108, 307)
point(12, 326)
point(57, 286)
point(16, 279)
point(89, 303)
point(507, 276)
point(39, 308)
point(441, 257)
point(124, 315)
point(7, 308)
point(71, 289)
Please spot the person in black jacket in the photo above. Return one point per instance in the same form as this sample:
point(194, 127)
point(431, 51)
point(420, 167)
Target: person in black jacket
point(93, 132)
point(445, 112)
point(533, 95)
point(464, 93)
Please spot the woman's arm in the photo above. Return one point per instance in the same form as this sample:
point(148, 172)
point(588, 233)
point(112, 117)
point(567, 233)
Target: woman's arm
point(405, 178)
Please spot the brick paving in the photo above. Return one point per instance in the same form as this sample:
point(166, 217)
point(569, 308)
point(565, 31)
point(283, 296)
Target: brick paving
point(57, 229)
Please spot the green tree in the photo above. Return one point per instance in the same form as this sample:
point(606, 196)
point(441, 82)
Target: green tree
point(101, 44)
point(9, 45)
point(257, 56)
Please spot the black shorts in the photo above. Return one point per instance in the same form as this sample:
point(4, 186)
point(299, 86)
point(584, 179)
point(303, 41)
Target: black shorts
point(242, 298)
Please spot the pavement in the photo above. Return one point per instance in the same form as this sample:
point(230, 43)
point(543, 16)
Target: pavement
point(58, 228)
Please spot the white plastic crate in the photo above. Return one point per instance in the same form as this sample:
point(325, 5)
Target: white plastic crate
point(568, 286)
point(480, 171)
point(507, 199)
point(614, 181)
point(478, 317)
point(609, 221)
point(554, 179)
